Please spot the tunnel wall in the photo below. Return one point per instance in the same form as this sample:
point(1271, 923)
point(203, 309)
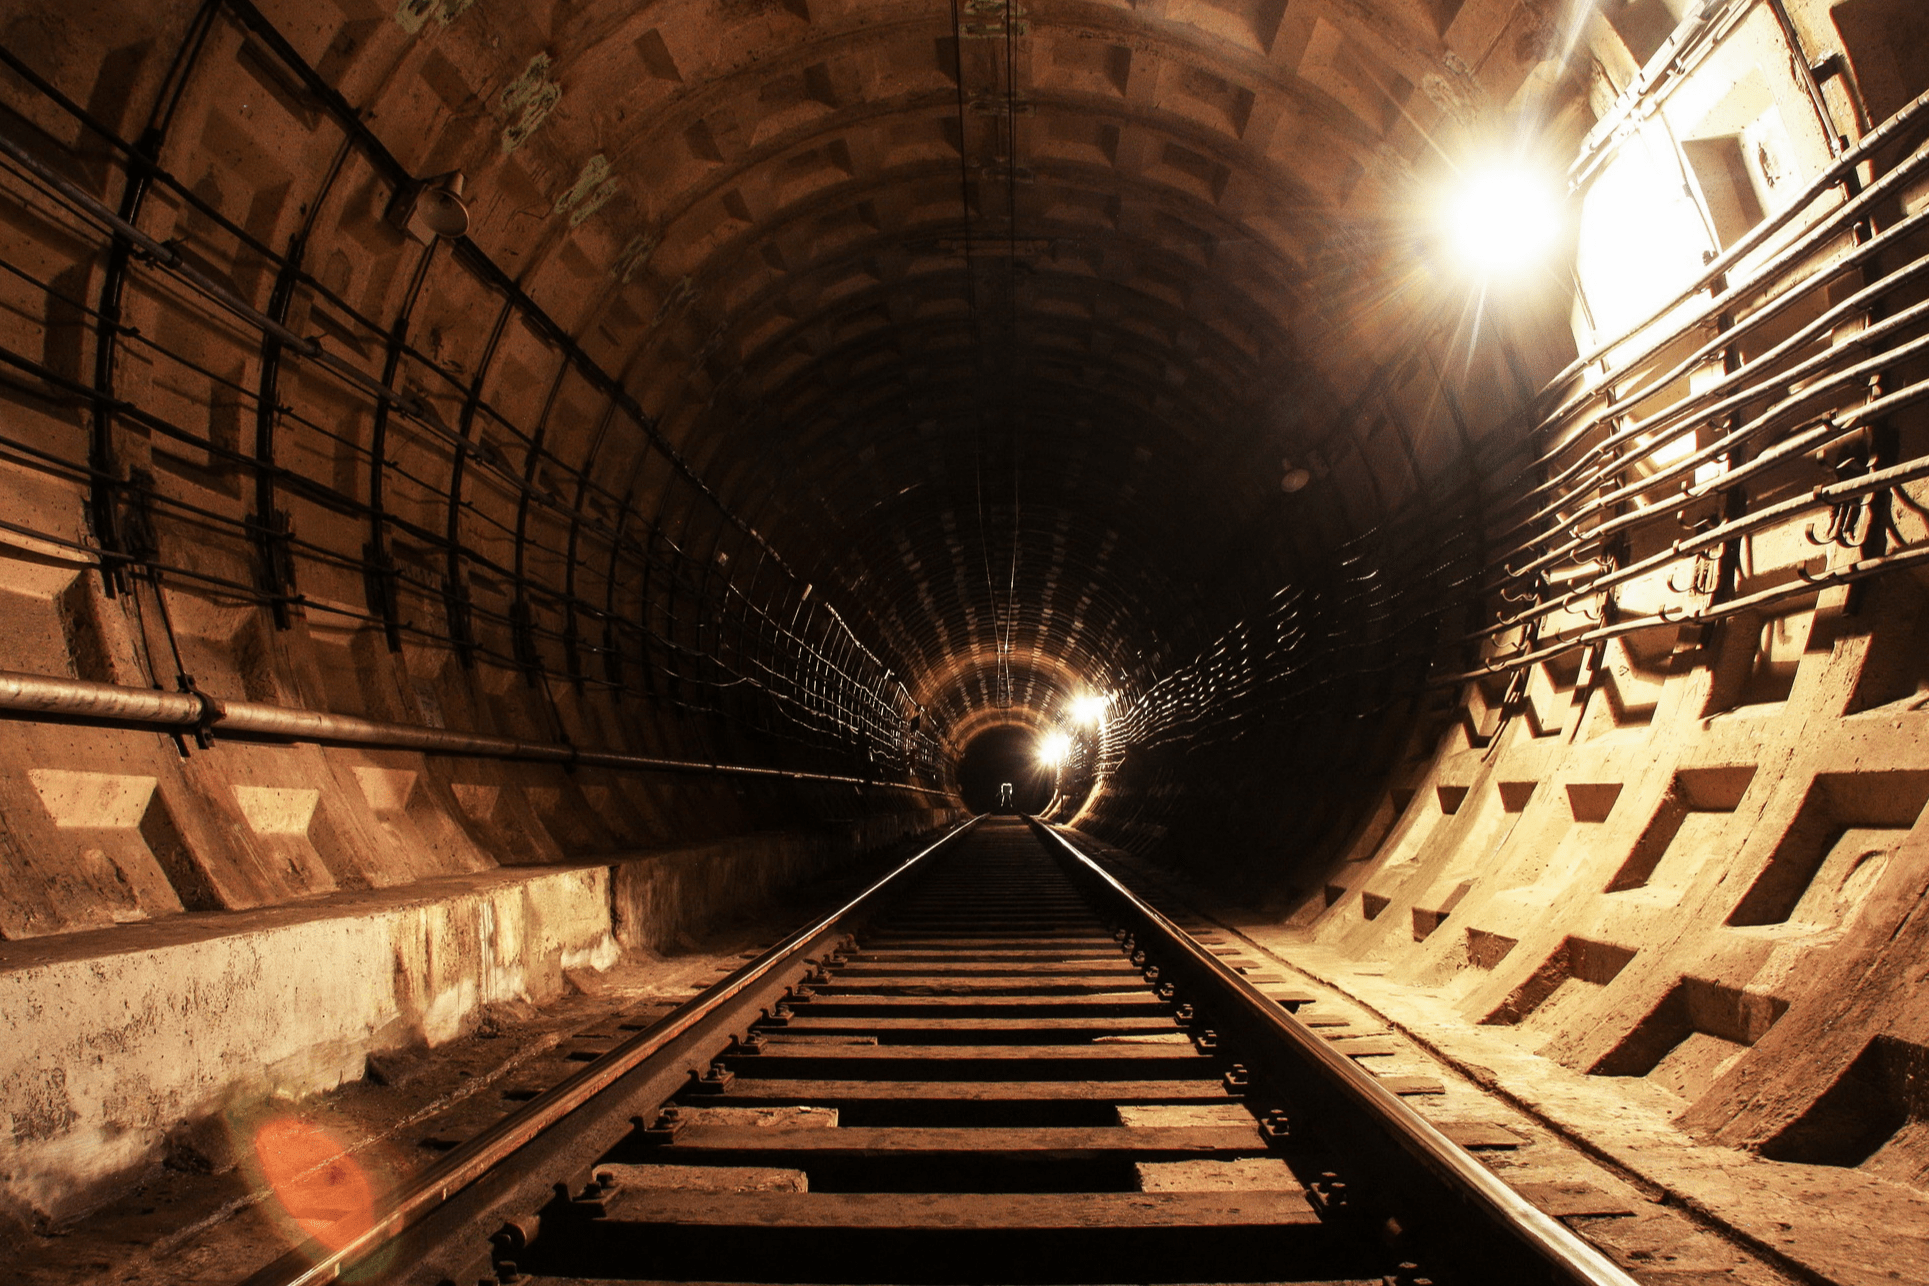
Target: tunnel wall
point(277, 447)
point(1655, 812)
point(1712, 886)
point(1664, 821)
point(120, 1042)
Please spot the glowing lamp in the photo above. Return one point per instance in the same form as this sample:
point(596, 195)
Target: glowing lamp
point(1089, 709)
point(1054, 748)
point(1500, 220)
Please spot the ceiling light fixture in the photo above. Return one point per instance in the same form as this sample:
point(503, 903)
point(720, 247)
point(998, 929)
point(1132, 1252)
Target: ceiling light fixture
point(1500, 220)
point(1054, 748)
point(432, 208)
point(1090, 709)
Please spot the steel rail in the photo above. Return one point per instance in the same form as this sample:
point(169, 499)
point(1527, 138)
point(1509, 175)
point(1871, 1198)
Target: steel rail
point(571, 1108)
point(1547, 1248)
point(57, 699)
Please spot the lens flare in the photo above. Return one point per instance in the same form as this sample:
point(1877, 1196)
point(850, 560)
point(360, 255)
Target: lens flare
point(1501, 220)
point(1054, 748)
point(326, 1194)
point(1089, 709)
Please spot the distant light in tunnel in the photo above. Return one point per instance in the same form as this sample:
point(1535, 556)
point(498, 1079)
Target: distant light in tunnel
point(1054, 748)
point(1501, 219)
point(1090, 709)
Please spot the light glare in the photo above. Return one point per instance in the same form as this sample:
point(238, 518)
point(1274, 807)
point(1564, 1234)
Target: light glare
point(1089, 709)
point(1501, 220)
point(1054, 748)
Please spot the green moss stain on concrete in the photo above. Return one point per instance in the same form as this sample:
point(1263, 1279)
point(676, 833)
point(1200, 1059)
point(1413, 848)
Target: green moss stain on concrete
point(413, 15)
point(593, 187)
point(528, 100)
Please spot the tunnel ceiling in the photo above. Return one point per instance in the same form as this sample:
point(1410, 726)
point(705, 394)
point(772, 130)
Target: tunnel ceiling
point(1001, 316)
point(996, 319)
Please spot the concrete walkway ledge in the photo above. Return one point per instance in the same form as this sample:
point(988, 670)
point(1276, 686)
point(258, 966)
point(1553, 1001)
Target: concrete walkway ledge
point(110, 1038)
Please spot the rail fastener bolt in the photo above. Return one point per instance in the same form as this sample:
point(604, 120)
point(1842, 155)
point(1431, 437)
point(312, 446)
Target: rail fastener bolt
point(715, 1081)
point(505, 1243)
point(668, 1124)
point(1330, 1195)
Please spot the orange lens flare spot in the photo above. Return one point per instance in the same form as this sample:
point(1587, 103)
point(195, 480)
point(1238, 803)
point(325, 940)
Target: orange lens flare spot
point(324, 1191)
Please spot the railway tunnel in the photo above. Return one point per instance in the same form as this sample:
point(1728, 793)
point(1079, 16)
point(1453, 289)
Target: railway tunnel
point(508, 508)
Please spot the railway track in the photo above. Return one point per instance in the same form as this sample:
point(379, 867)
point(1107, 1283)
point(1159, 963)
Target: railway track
point(997, 1064)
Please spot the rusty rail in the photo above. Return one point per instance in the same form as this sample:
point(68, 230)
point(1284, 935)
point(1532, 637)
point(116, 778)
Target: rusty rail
point(442, 1219)
point(1433, 1181)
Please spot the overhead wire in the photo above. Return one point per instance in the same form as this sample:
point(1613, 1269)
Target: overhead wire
point(1012, 346)
point(966, 241)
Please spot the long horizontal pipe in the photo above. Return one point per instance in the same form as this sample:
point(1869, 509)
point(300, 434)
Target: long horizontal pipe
point(49, 697)
point(1914, 559)
point(1829, 224)
point(1734, 388)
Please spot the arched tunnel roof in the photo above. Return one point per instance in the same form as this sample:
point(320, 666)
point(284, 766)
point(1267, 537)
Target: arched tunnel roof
point(903, 362)
point(998, 319)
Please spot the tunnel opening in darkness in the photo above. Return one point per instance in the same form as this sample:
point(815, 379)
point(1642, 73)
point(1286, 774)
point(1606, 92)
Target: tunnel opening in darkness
point(998, 756)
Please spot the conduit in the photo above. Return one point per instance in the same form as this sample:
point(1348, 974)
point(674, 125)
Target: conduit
point(56, 699)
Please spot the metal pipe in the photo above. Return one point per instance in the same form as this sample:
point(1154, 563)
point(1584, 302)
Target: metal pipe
point(53, 698)
point(1573, 477)
point(1916, 558)
point(1805, 72)
point(171, 259)
point(1787, 410)
point(1717, 268)
point(1831, 494)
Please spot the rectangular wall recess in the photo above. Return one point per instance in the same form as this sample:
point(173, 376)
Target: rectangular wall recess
point(1575, 960)
point(1694, 790)
point(1845, 820)
point(1694, 1035)
point(1885, 1090)
point(1486, 950)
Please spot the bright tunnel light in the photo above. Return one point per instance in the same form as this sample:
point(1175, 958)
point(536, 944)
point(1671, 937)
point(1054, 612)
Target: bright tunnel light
point(1089, 709)
point(1054, 748)
point(1501, 219)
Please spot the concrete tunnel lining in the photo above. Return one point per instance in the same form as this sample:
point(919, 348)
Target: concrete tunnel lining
point(817, 385)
